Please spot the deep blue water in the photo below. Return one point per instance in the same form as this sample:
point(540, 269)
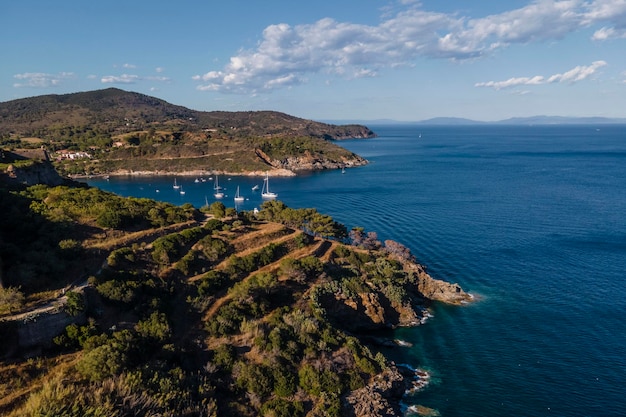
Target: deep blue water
point(532, 220)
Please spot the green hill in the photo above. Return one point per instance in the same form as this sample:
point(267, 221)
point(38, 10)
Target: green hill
point(123, 132)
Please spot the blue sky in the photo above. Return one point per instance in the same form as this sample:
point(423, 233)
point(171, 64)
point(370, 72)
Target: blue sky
point(327, 60)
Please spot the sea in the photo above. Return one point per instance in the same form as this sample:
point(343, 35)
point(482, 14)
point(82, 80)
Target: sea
point(529, 219)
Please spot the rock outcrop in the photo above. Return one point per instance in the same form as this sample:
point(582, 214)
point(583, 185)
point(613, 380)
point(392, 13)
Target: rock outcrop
point(381, 305)
point(380, 398)
point(39, 170)
point(435, 289)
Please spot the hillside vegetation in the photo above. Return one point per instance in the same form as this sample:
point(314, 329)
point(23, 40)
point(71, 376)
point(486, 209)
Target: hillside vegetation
point(114, 131)
point(172, 311)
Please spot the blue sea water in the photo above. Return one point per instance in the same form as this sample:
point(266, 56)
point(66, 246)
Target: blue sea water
point(531, 220)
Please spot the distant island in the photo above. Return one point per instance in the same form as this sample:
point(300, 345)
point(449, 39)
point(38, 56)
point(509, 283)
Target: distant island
point(112, 131)
point(517, 121)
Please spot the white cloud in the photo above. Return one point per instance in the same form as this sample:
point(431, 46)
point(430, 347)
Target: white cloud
point(608, 33)
point(159, 79)
point(576, 74)
point(286, 55)
point(512, 82)
point(159, 70)
point(120, 79)
point(132, 79)
point(129, 66)
point(41, 79)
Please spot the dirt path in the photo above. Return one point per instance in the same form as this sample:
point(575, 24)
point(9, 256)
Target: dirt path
point(143, 236)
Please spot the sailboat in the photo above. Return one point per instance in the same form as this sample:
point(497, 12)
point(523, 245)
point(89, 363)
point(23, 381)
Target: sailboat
point(218, 189)
point(265, 192)
point(176, 186)
point(217, 186)
point(238, 198)
point(181, 191)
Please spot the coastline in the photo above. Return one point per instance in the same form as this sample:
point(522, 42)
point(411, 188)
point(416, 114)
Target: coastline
point(280, 172)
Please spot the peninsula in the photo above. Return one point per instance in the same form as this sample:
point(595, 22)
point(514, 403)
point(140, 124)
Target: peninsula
point(116, 132)
point(122, 306)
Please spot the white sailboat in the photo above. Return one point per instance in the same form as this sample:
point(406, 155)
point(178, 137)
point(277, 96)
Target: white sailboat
point(181, 191)
point(176, 186)
point(217, 186)
point(218, 189)
point(265, 192)
point(238, 198)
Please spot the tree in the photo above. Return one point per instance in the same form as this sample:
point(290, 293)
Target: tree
point(218, 209)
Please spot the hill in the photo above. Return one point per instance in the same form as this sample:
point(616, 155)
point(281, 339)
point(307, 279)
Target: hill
point(117, 131)
point(134, 307)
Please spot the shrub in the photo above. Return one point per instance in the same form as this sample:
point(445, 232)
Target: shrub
point(155, 327)
point(11, 299)
point(224, 356)
point(102, 362)
point(117, 290)
point(278, 407)
point(117, 256)
point(254, 378)
point(75, 303)
point(212, 282)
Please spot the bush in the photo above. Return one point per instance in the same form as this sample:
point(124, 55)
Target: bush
point(254, 378)
point(224, 356)
point(212, 282)
point(102, 362)
point(155, 327)
point(117, 290)
point(75, 336)
point(11, 299)
point(75, 303)
point(118, 256)
point(278, 407)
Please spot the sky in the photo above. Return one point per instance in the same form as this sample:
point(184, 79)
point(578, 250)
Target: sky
point(327, 60)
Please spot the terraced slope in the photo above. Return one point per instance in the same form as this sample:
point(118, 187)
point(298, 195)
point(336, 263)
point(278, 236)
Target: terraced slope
point(234, 316)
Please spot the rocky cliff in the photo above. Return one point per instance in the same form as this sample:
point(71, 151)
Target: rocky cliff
point(435, 289)
point(29, 167)
point(381, 305)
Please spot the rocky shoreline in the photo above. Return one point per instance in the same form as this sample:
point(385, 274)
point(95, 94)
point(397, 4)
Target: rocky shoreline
point(194, 173)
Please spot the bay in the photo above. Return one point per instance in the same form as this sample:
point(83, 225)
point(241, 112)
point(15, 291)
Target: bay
point(530, 219)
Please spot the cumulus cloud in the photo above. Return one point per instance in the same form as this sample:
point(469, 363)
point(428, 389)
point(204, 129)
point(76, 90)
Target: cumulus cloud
point(576, 74)
point(41, 79)
point(287, 55)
